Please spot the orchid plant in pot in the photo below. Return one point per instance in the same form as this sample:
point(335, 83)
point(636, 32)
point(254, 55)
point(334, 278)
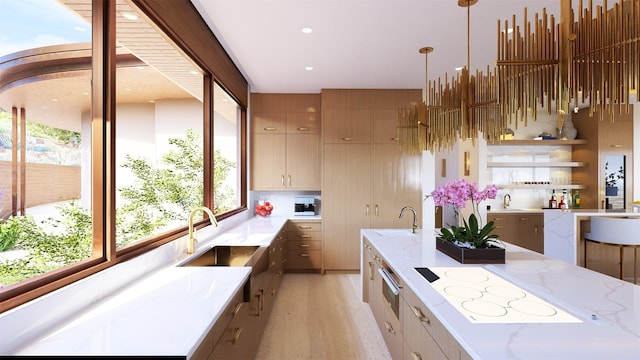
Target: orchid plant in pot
point(472, 234)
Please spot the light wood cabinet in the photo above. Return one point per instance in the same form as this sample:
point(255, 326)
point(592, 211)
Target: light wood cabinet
point(304, 247)
point(605, 138)
point(523, 229)
point(437, 343)
point(386, 320)
point(232, 317)
point(366, 180)
point(285, 142)
point(417, 333)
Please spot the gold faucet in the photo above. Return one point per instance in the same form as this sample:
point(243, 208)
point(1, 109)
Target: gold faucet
point(415, 221)
point(192, 232)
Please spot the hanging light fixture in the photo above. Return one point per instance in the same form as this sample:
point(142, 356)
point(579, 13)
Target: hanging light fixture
point(593, 59)
point(458, 108)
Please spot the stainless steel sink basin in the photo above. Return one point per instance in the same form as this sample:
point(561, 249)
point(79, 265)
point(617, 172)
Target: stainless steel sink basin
point(237, 255)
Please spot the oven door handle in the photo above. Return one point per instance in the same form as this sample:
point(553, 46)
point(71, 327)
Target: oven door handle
point(391, 283)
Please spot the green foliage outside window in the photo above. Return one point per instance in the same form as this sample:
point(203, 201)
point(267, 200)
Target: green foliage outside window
point(160, 195)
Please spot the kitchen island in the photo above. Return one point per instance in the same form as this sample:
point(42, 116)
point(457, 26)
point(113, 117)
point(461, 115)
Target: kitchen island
point(562, 231)
point(601, 314)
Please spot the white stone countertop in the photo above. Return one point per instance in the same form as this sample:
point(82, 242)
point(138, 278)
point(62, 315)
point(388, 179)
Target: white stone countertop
point(166, 313)
point(609, 309)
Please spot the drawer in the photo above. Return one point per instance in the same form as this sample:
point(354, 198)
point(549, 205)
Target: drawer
point(304, 245)
point(419, 345)
point(304, 235)
point(304, 259)
point(416, 310)
point(305, 226)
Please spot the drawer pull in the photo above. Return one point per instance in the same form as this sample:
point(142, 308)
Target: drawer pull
point(418, 313)
point(305, 236)
point(303, 129)
point(347, 138)
point(416, 356)
point(270, 129)
point(305, 227)
point(236, 309)
point(395, 139)
point(390, 328)
point(305, 255)
point(236, 335)
point(304, 245)
point(523, 219)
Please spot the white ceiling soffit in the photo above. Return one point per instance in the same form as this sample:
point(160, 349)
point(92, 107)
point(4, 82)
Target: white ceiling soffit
point(359, 43)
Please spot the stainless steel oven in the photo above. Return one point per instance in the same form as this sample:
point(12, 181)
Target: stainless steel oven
point(390, 290)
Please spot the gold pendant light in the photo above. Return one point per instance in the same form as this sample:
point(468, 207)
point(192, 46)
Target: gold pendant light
point(459, 107)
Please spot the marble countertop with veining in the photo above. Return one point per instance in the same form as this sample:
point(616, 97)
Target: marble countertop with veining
point(608, 308)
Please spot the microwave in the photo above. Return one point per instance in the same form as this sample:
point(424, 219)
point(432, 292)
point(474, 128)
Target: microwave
point(305, 206)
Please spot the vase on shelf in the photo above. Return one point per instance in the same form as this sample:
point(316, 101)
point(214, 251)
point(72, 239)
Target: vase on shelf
point(568, 131)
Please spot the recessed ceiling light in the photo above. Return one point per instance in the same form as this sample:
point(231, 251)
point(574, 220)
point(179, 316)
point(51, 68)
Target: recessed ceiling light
point(307, 30)
point(140, 67)
point(129, 15)
point(193, 72)
point(309, 68)
point(459, 68)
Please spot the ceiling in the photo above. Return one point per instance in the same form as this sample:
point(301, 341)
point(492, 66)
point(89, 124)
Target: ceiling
point(358, 43)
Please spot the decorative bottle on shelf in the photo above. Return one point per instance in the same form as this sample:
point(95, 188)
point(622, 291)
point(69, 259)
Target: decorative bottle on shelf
point(553, 202)
point(576, 200)
point(562, 204)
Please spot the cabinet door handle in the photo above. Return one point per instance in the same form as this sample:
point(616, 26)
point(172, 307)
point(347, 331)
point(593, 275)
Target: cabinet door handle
point(289, 178)
point(282, 180)
point(416, 356)
point(270, 128)
point(377, 210)
point(395, 139)
point(523, 219)
point(418, 313)
point(347, 138)
point(389, 327)
point(303, 129)
point(305, 227)
point(304, 245)
point(305, 236)
point(535, 230)
point(367, 212)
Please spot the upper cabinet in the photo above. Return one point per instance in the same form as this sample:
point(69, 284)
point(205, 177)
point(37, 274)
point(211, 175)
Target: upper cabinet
point(285, 144)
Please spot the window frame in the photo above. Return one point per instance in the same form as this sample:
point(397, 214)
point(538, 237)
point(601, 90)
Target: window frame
point(194, 39)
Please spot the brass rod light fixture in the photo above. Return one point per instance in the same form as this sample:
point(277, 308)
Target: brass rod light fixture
point(455, 108)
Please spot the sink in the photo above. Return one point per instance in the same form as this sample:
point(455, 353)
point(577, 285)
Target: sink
point(225, 256)
point(394, 232)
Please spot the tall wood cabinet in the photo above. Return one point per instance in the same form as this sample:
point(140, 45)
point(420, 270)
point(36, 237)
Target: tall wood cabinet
point(365, 178)
point(604, 138)
point(285, 144)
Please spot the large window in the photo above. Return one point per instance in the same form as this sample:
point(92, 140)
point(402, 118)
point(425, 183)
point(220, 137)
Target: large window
point(227, 152)
point(45, 141)
point(159, 132)
point(88, 179)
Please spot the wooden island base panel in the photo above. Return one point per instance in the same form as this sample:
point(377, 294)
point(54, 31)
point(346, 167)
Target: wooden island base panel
point(555, 310)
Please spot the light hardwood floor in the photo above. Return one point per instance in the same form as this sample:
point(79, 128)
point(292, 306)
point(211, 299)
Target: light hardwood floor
point(321, 317)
